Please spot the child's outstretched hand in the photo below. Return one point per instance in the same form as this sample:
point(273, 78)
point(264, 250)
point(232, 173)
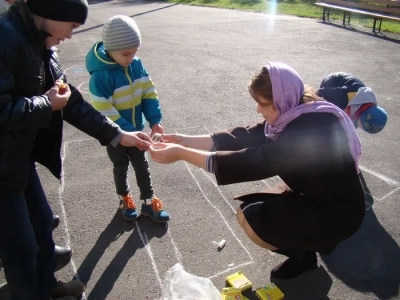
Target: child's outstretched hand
point(156, 128)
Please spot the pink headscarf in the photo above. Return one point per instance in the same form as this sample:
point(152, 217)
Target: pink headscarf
point(287, 90)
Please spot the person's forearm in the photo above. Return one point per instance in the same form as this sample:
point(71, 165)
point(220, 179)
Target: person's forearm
point(195, 157)
point(200, 142)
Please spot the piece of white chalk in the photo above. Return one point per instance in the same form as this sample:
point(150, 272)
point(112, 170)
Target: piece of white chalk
point(221, 244)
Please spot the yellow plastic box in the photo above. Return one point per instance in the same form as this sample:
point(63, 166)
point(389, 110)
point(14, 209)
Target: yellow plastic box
point(269, 292)
point(231, 293)
point(239, 281)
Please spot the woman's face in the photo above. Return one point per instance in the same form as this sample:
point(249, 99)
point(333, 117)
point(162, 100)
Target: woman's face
point(267, 109)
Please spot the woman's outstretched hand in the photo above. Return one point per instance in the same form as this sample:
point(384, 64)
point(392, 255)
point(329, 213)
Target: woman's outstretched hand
point(165, 153)
point(175, 138)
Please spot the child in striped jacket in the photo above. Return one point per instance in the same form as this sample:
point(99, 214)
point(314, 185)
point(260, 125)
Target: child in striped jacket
point(122, 90)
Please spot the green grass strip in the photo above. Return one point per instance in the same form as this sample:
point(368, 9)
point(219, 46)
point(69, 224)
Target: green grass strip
point(294, 8)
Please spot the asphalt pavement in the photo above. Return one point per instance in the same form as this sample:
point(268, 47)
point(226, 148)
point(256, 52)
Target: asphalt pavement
point(201, 60)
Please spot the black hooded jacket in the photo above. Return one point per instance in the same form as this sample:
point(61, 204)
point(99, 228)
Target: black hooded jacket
point(29, 129)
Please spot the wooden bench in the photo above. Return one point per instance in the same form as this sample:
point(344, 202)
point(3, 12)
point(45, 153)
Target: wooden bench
point(378, 9)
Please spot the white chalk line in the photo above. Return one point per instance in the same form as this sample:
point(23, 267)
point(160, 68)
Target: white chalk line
point(206, 174)
point(230, 269)
point(387, 195)
point(80, 87)
point(142, 236)
point(60, 198)
point(208, 200)
point(222, 216)
point(145, 241)
point(384, 178)
point(214, 183)
point(176, 250)
point(227, 201)
point(388, 180)
point(78, 66)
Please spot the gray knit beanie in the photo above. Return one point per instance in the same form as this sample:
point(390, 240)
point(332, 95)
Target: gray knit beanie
point(120, 33)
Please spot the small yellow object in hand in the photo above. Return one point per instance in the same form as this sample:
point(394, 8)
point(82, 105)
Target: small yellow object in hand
point(62, 88)
point(156, 137)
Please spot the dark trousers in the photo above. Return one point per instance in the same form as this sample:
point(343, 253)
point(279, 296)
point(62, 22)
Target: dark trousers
point(120, 157)
point(26, 241)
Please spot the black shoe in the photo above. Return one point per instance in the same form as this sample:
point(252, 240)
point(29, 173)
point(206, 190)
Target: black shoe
point(293, 266)
point(56, 221)
point(62, 256)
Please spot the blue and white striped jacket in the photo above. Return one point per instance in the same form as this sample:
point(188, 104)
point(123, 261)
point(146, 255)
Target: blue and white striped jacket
point(126, 95)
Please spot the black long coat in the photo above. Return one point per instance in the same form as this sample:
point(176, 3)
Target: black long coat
point(312, 157)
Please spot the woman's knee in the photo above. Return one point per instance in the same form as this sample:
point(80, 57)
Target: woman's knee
point(256, 239)
point(250, 232)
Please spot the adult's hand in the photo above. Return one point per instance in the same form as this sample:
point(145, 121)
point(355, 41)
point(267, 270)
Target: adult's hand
point(136, 139)
point(180, 139)
point(165, 153)
point(59, 95)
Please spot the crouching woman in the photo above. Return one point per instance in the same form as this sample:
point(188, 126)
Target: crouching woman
point(310, 144)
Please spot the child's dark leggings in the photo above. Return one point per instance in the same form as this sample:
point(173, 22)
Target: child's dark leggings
point(120, 157)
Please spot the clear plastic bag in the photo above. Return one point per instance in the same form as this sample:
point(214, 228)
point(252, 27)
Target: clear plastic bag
point(181, 285)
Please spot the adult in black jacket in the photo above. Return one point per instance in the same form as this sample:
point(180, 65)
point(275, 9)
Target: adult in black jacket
point(62, 255)
point(33, 105)
point(310, 144)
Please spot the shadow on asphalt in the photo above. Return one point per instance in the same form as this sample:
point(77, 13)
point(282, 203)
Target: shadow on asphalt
point(123, 4)
point(112, 232)
point(369, 261)
point(310, 285)
point(395, 38)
